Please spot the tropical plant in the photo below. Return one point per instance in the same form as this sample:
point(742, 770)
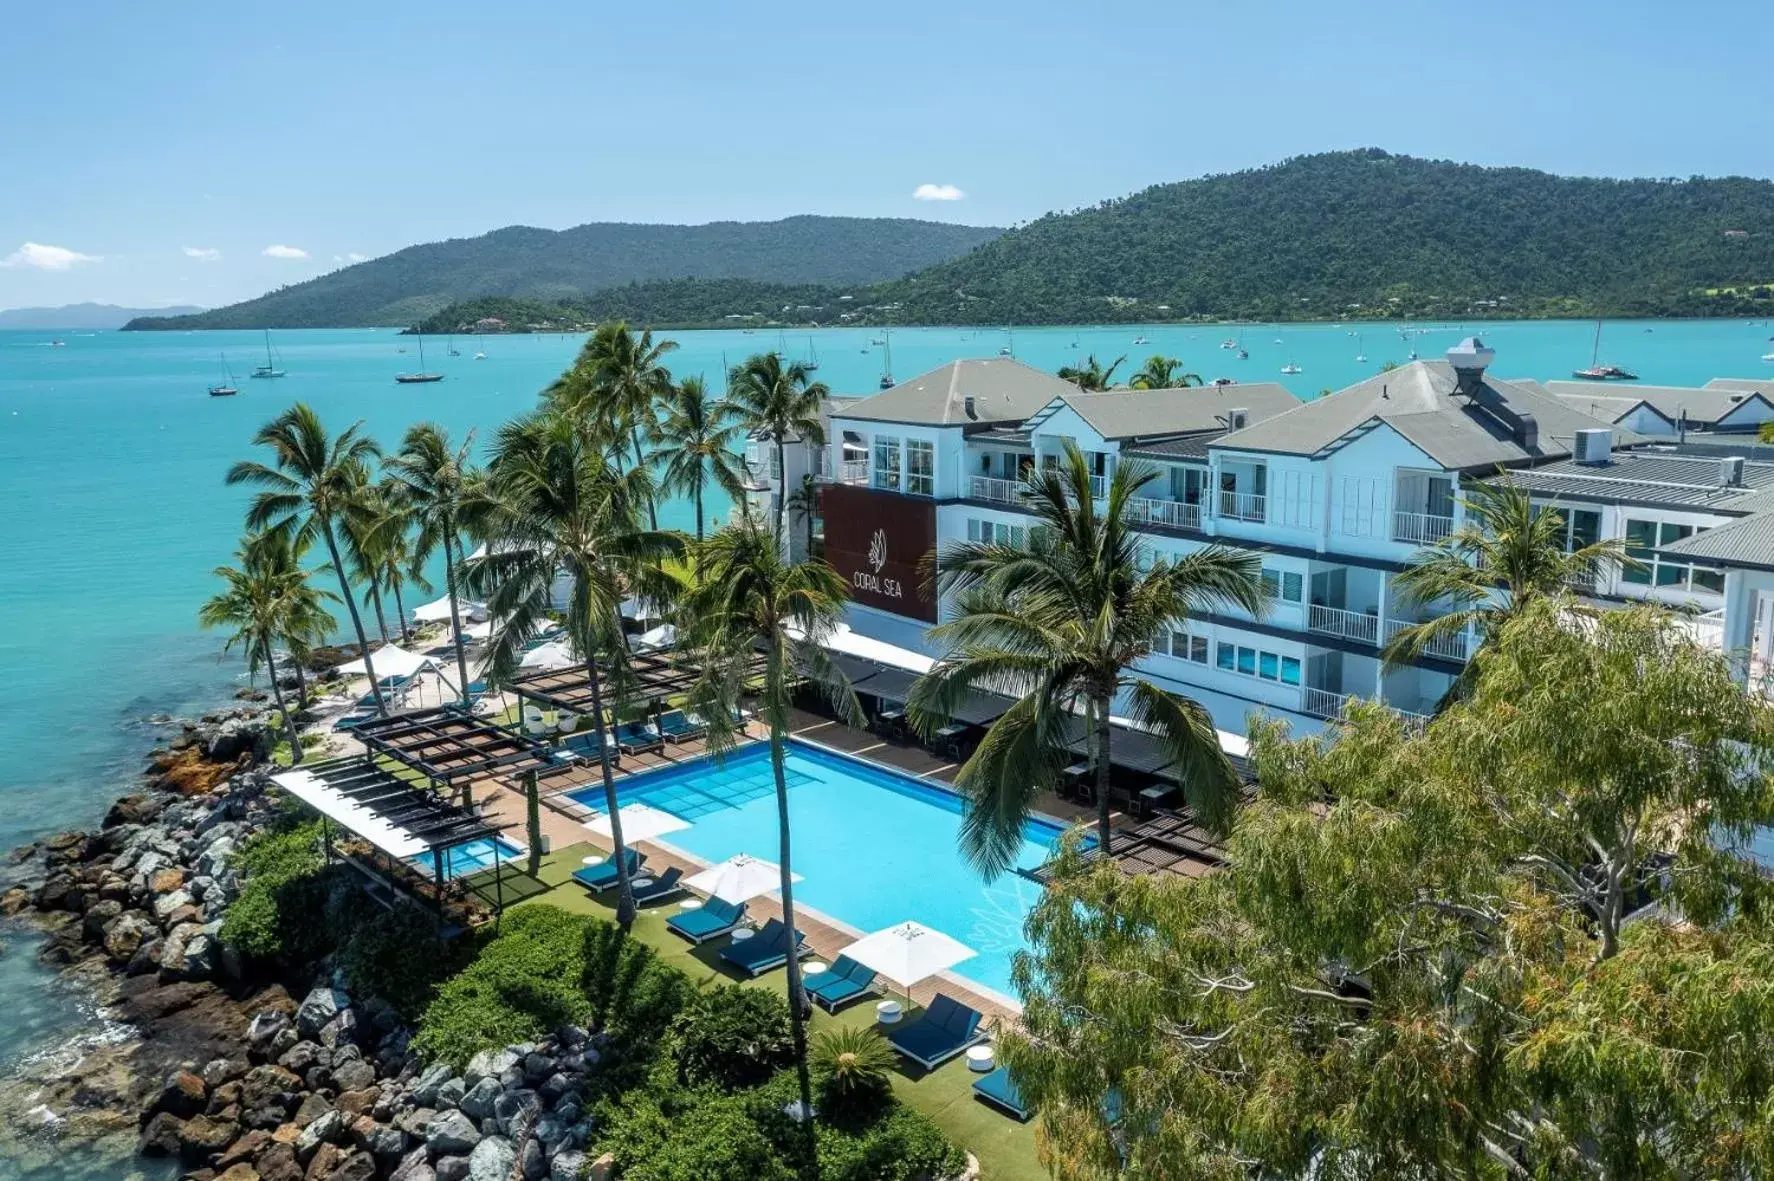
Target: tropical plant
point(1417, 960)
point(437, 480)
point(307, 624)
point(613, 389)
point(313, 485)
point(853, 1064)
point(778, 400)
point(748, 599)
point(696, 435)
point(732, 1036)
point(1507, 554)
point(1062, 623)
point(803, 503)
point(1091, 375)
point(1161, 373)
point(392, 546)
point(561, 509)
point(1765, 433)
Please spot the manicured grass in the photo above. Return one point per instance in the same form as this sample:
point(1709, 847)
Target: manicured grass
point(1005, 1148)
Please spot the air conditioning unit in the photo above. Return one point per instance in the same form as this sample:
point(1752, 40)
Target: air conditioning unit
point(1594, 445)
point(1238, 418)
point(1731, 471)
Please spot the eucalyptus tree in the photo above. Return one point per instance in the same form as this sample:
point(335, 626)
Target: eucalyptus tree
point(1091, 375)
point(312, 486)
point(777, 400)
point(560, 509)
point(696, 438)
point(748, 598)
point(438, 481)
point(1162, 373)
point(614, 388)
point(1061, 623)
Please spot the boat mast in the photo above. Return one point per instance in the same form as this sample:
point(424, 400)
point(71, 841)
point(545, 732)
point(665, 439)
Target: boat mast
point(1595, 350)
point(421, 352)
point(268, 364)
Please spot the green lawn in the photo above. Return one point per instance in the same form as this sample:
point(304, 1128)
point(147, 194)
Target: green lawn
point(1005, 1148)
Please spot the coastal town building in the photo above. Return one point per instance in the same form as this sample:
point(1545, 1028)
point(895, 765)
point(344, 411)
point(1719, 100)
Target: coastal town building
point(1337, 494)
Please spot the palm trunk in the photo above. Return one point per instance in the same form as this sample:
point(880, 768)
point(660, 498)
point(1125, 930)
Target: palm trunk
point(381, 620)
point(639, 462)
point(301, 684)
point(400, 607)
point(455, 613)
point(363, 641)
point(624, 892)
point(533, 820)
point(289, 720)
point(797, 995)
point(1100, 708)
point(781, 488)
point(699, 506)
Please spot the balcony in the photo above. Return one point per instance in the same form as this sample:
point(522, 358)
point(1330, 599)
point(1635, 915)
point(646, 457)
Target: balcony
point(1322, 703)
point(1455, 647)
point(1173, 514)
point(990, 488)
point(854, 471)
point(1420, 528)
point(1351, 625)
point(1244, 506)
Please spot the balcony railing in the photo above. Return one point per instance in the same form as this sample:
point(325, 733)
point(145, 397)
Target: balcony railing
point(1420, 528)
point(854, 471)
point(1353, 625)
point(990, 488)
point(1457, 646)
point(1173, 514)
point(1322, 703)
point(1244, 506)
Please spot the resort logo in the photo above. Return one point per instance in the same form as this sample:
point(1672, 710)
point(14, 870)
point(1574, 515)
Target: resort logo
point(871, 580)
point(878, 550)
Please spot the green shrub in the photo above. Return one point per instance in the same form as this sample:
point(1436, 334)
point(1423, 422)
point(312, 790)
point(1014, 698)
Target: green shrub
point(634, 996)
point(396, 955)
point(733, 1037)
point(283, 914)
point(899, 1145)
point(853, 1067)
point(699, 1135)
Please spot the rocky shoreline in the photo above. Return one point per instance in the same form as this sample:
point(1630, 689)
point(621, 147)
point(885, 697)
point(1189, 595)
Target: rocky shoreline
point(234, 1078)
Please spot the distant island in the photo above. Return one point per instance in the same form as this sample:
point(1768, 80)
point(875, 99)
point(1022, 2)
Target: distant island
point(1336, 236)
point(82, 317)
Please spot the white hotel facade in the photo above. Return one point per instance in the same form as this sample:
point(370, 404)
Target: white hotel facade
point(1336, 494)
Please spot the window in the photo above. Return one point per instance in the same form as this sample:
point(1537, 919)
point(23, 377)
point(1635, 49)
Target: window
point(1642, 540)
point(995, 532)
point(1290, 671)
point(1184, 646)
point(1247, 661)
point(920, 467)
point(886, 474)
point(1227, 656)
point(1198, 649)
point(1269, 666)
point(1285, 585)
point(1251, 662)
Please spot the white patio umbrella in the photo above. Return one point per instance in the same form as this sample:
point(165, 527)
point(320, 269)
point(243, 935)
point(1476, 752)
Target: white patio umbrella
point(555, 655)
point(908, 952)
point(739, 878)
point(639, 823)
point(391, 661)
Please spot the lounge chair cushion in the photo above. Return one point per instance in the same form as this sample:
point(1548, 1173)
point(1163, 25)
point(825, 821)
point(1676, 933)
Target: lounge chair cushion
point(1001, 1090)
point(714, 917)
point(599, 876)
point(666, 883)
point(945, 1028)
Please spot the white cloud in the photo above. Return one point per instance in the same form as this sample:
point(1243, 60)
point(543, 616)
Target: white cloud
point(928, 192)
point(206, 253)
point(284, 252)
point(45, 258)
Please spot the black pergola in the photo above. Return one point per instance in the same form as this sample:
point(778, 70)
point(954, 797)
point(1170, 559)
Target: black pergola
point(446, 744)
point(650, 675)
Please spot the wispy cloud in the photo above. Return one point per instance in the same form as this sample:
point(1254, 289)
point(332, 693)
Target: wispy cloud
point(206, 253)
point(350, 256)
point(46, 258)
point(284, 252)
point(929, 192)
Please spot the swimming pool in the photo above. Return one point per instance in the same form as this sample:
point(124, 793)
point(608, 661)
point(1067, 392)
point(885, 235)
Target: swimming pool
point(875, 847)
point(470, 858)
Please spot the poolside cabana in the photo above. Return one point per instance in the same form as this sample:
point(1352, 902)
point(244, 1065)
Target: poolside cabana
point(447, 745)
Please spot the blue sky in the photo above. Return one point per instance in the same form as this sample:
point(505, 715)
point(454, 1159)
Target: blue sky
point(135, 135)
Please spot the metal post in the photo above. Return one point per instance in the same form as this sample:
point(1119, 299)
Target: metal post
point(498, 886)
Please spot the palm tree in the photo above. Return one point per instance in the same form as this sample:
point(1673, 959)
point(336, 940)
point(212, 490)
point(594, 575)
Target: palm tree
point(561, 508)
point(803, 502)
point(397, 558)
point(315, 483)
point(261, 593)
point(1091, 375)
point(363, 548)
point(307, 623)
point(778, 399)
point(1505, 555)
point(437, 479)
point(1063, 622)
point(748, 598)
point(1160, 373)
point(616, 385)
point(695, 447)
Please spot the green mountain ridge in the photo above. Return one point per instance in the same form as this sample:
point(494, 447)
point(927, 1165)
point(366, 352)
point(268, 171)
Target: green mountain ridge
point(522, 262)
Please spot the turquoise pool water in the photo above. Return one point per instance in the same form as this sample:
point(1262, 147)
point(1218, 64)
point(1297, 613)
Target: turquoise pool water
point(471, 858)
point(875, 847)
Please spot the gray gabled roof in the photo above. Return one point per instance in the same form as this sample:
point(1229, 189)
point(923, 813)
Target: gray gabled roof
point(1665, 478)
point(1608, 408)
point(1746, 385)
point(1003, 390)
point(1748, 542)
point(1422, 402)
point(1701, 406)
point(1151, 414)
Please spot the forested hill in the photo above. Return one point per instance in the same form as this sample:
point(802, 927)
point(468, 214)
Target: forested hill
point(549, 265)
point(1351, 233)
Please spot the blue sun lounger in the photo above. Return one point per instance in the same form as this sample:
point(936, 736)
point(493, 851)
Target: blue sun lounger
point(713, 919)
point(769, 948)
point(999, 1090)
point(675, 727)
point(634, 738)
point(661, 887)
point(602, 877)
point(589, 744)
point(387, 685)
point(844, 981)
point(946, 1028)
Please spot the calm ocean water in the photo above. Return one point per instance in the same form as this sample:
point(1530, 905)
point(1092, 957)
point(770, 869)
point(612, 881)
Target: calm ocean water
point(113, 513)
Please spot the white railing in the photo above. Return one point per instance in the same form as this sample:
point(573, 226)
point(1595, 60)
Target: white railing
point(1420, 528)
point(990, 488)
point(1457, 646)
point(1171, 513)
point(1244, 506)
point(1709, 629)
point(1322, 703)
point(853, 471)
point(1355, 625)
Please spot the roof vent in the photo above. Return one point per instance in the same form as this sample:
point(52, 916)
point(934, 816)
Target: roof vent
point(1593, 445)
point(1731, 471)
point(968, 407)
point(1237, 418)
point(1470, 358)
point(1527, 432)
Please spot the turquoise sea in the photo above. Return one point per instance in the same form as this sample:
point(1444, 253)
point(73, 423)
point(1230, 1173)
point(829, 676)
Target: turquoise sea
point(113, 513)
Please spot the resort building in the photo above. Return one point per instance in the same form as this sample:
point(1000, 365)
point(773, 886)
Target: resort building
point(1724, 406)
point(1337, 495)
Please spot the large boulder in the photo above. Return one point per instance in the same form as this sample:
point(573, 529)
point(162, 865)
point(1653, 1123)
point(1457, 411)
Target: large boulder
point(533, 1160)
point(451, 1134)
point(490, 1062)
point(450, 1094)
point(426, 1085)
point(451, 1168)
point(278, 1163)
point(566, 1165)
point(324, 1129)
point(354, 1075)
point(266, 1024)
point(341, 1030)
point(203, 1137)
point(492, 1160)
point(160, 1135)
point(183, 1094)
point(318, 1008)
point(478, 1101)
point(269, 1086)
point(359, 1166)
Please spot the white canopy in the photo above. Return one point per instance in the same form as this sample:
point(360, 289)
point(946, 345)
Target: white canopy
point(326, 799)
point(908, 952)
point(739, 878)
point(552, 655)
point(390, 660)
point(478, 631)
point(639, 609)
point(639, 823)
point(663, 636)
point(855, 644)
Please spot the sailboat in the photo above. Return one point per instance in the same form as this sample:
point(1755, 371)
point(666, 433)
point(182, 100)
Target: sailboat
point(269, 368)
point(887, 360)
point(1359, 355)
point(1597, 372)
point(227, 388)
point(1009, 340)
point(451, 342)
point(421, 376)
